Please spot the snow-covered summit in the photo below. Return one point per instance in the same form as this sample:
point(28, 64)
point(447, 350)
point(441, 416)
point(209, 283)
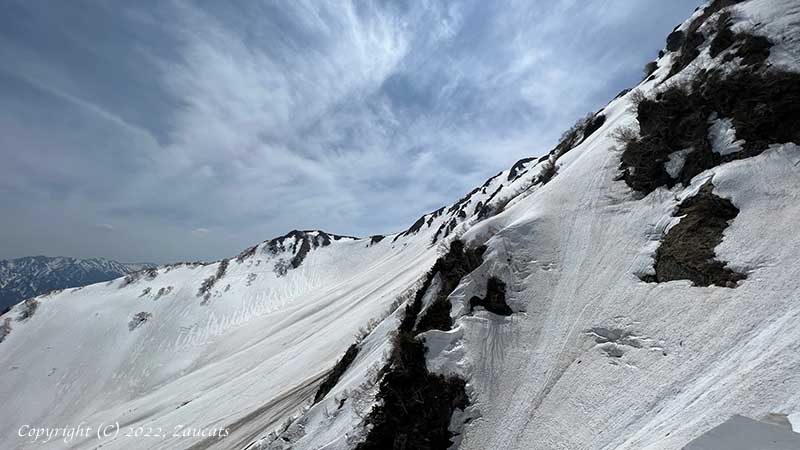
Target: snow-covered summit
point(632, 289)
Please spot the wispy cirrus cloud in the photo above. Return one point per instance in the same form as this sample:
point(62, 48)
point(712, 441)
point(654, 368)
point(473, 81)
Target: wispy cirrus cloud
point(252, 118)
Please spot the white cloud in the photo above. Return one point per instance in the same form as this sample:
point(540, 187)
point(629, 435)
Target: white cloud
point(354, 116)
point(200, 232)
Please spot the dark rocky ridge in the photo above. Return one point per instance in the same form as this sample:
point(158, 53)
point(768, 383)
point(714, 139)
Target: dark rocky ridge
point(764, 108)
point(687, 43)
point(495, 299)
point(451, 268)
point(300, 243)
point(415, 406)
point(336, 373)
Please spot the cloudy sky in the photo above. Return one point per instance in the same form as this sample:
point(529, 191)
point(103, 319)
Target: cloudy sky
point(168, 130)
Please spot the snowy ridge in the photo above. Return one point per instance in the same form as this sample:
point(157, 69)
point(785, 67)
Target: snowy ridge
point(592, 357)
point(191, 354)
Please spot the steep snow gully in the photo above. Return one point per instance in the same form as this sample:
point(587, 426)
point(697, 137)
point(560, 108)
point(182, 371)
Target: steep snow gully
point(632, 289)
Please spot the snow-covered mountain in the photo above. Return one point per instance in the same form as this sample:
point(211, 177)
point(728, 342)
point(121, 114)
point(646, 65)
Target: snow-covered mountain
point(27, 277)
point(632, 289)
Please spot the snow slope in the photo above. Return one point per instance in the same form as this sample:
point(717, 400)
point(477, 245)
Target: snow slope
point(592, 358)
point(259, 339)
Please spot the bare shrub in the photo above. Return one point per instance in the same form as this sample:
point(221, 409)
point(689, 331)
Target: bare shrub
point(247, 253)
point(138, 319)
point(625, 135)
point(500, 205)
point(222, 268)
point(365, 330)
point(5, 329)
point(53, 292)
point(292, 429)
point(573, 136)
point(281, 267)
point(188, 265)
point(336, 373)
point(162, 292)
point(649, 68)
point(129, 279)
point(207, 284)
point(637, 97)
point(549, 170)
point(27, 309)
point(362, 396)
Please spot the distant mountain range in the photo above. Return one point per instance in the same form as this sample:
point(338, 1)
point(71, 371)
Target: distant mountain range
point(26, 277)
